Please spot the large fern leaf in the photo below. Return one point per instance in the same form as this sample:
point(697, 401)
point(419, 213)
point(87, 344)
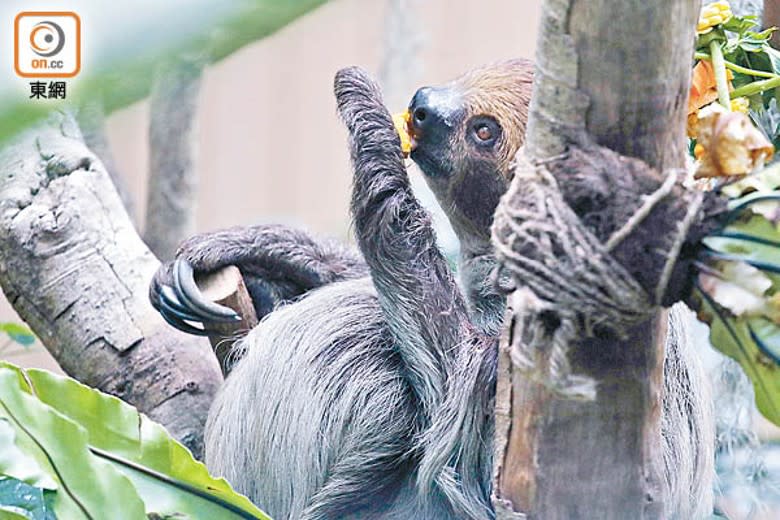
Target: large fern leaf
point(75, 452)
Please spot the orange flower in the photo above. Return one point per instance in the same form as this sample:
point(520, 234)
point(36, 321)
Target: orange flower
point(703, 88)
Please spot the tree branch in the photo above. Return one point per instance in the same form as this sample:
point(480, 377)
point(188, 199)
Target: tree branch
point(75, 270)
point(171, 197)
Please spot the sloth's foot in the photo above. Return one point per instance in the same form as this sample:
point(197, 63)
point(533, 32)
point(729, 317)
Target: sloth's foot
point(176, 296)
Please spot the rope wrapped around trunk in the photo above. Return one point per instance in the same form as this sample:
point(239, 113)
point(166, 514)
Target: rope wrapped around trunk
point(569, 282)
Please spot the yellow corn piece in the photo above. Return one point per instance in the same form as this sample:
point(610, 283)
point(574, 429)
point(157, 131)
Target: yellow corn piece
point(713, 14)
point(401, 122)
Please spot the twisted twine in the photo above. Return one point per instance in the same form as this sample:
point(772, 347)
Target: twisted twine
point(571, 283)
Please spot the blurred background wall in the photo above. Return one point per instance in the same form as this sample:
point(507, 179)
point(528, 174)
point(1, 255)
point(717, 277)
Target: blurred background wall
point(271, 144)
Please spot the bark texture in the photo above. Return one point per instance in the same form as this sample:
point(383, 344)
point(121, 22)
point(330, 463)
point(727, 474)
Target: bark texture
point(172, 186)
point(611, 77)
point(76, 271)
point(771, 18)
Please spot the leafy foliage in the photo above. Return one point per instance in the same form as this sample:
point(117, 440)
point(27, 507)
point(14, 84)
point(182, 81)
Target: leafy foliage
point(738, 280)
point(23, 500)
point(74, 451)
point(767, 119)
point(754, 67)
point(738, 285)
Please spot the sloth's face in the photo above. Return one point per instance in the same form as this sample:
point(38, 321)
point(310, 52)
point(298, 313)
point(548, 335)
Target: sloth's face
point(464, 137)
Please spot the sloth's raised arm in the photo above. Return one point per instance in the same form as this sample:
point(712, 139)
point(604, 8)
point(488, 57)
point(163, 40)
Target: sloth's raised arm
point(418, 296)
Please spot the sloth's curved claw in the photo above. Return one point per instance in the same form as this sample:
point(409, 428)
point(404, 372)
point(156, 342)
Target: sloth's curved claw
point(192, 301)
point(180, 324)
point(171, 304)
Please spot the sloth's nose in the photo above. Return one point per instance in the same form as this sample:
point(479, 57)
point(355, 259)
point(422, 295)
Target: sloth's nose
point(429, 113)
point(420, 109)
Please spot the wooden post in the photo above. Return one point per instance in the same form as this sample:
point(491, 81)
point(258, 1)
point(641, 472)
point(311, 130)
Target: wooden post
point(226, 287)
point(618, 73)
point(772, 19)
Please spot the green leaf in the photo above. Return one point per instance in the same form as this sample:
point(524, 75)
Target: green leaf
point(750, 45)
point(162, 471)
point(18, 333)
point(738, 287)
point(764, 35)
point(752, 240)
point(732, 337)
point(741, 303)
point(766, 334)
point(740, 80)
point(8, 514)
point(25, 501)
point(774, 58)
point(87, 486)
point(16, 464)
point(704, 40)
point(767, 119)
point(740, 24)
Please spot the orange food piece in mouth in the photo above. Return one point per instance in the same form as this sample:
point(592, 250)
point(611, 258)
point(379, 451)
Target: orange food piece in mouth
point(401, 122)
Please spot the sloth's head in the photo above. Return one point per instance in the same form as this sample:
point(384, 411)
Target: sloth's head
point(465, 135)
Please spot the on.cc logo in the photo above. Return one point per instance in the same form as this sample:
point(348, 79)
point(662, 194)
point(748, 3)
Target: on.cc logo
point(47, 44)
point(47, 39)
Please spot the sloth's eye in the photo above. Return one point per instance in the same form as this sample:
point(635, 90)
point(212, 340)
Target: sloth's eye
point(485, 131)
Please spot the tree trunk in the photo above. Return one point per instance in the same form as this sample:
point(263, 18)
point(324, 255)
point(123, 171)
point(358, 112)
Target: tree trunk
point(615, 74)
point(76, 271)
point(172, 186)
point(771, 18)
point(402, 36)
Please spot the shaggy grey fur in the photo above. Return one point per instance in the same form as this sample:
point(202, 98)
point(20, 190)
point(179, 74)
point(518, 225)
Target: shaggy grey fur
point(368, 397)
point(687, 424)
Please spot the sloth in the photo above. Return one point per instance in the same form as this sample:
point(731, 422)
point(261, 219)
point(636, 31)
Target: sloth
point(367, 389)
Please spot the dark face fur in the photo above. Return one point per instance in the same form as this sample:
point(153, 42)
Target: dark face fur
point(465, 135)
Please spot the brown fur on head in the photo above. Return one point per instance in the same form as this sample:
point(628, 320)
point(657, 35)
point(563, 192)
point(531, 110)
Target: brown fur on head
point(503, 91)
point(465, 136)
